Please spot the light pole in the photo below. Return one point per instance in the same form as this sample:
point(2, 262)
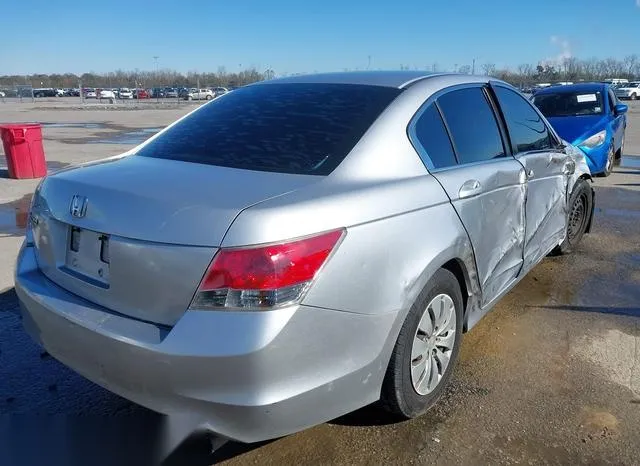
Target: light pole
point(155, 58)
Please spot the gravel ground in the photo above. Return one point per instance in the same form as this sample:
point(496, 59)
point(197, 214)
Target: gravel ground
point(551, 376)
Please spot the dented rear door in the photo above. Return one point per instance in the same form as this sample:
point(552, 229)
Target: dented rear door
point(547, 168)
point(486, 187)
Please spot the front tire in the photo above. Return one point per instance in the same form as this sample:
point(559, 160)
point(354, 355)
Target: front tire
point(608, 165)
point(426, 349)
point(634, 96)
point(619, 154)
point(578, 216)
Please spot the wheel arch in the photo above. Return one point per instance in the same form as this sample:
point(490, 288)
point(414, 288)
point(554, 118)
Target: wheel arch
point(457, 267)
point(587, 177)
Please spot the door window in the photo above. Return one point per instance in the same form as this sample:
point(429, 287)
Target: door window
point(432, 136)
point(472, 125)
point(527, 129)
point(612, 101)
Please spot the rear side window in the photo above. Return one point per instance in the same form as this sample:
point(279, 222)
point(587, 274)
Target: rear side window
point(288, 128)
point(472, 125)
point(526, 128)
point(432, 136)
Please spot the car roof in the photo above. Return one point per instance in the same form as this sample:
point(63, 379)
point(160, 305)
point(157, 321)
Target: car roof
point(396, 79)
point(580, 87)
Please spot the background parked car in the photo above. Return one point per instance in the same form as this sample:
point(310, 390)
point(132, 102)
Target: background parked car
point(141, 94)
point(171, 93)
point(45, 92)
point(107, 94)
point(125, 93)
point(157, 93)
point(200, 94)
point(629, 91)
point(590, 117)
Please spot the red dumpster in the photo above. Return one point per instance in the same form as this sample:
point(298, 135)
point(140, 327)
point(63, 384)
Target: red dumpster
point(23, 149)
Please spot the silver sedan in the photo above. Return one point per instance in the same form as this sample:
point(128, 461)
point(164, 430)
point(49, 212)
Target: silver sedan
point(301, 247)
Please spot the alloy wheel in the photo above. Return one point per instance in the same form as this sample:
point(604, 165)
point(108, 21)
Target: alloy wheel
point(433, 344)
point(609, 165)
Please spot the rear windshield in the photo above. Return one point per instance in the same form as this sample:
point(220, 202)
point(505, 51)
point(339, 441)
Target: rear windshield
point(287, 128)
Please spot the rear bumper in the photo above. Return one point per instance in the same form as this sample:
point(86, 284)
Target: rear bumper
point(244, 376)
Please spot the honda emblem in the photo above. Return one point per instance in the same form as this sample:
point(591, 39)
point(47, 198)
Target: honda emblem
point(78, 206)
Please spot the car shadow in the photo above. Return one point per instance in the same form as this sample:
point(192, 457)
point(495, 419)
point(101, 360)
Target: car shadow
point(196, 451)
point(621, 311)
point(371, 415)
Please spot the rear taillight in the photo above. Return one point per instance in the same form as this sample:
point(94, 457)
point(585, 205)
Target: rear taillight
point(264, 277)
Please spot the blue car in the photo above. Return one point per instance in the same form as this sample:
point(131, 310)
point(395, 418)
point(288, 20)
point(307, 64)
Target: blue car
point(589, 116)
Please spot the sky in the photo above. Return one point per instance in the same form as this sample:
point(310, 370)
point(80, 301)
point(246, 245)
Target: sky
point(302, 36)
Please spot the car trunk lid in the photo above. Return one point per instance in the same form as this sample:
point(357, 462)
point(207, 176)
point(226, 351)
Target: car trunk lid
point(136, 234)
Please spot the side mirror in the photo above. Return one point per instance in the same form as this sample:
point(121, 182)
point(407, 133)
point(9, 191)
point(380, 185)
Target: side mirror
point(620, 109)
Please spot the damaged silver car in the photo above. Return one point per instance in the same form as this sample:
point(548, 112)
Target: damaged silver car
point(301, 247)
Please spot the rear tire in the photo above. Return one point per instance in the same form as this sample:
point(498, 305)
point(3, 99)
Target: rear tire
point(421, 356)
point(578, 217)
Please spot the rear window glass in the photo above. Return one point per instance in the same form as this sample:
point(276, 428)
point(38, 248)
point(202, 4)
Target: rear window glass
point(287, 128)
point(433, 137)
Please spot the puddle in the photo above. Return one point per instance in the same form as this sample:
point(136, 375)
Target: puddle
point(73, 125)
point(13, 216)
point(620, 212)
point(630, 161)
point(129, 137)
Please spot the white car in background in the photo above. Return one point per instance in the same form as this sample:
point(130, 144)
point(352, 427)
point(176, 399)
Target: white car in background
point(200, 94)
point(125, 93)
point(628, 91)
point(107, 94)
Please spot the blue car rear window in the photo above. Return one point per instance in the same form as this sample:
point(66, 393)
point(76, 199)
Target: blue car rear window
point(288, 128)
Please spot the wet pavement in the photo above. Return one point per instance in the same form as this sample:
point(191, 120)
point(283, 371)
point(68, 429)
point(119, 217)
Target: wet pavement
point(98, 133)
point(13, 216)
point(630, 161)
point(128, 137)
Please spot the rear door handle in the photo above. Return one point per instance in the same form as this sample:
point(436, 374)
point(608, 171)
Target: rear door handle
point(470, 188)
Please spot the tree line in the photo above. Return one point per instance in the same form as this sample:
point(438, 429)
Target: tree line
point(138, 79)
point(568, 69)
